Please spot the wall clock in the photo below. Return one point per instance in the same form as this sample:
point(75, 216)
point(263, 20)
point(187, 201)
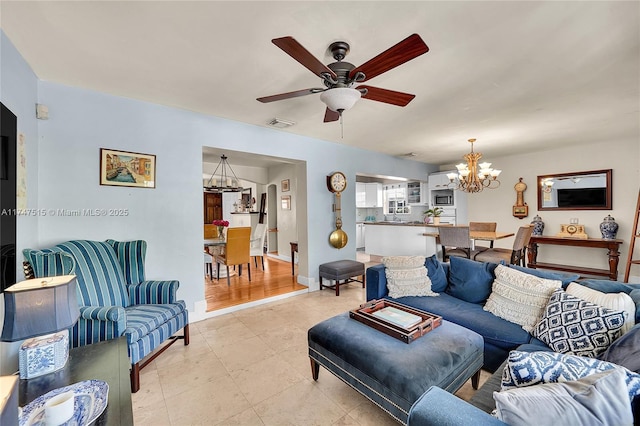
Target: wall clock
point(336, 183)
point(520, 209)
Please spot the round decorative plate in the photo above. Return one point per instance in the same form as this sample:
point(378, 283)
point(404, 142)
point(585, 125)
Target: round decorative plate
point(90, 400)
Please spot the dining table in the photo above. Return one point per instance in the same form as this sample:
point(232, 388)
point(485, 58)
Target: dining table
point(476, 235)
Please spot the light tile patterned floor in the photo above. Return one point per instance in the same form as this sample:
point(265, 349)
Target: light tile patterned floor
point(251, 367)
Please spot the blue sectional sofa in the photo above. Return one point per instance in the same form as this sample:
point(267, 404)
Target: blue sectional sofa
point(464, 286)
point(114, 297)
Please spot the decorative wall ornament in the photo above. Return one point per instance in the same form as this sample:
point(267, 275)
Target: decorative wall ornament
point(123, 168)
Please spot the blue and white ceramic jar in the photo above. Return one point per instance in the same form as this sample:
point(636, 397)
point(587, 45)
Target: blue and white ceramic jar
point(609, 228)
point(538, 225)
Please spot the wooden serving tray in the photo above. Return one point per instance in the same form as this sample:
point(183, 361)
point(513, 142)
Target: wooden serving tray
point(407, 335)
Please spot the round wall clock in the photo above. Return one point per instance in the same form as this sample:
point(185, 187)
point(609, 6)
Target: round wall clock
point(336, 182)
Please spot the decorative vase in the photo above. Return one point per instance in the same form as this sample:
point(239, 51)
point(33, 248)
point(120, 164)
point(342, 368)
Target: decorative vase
point(538, 225)
point(609, 228)
point(221, 232)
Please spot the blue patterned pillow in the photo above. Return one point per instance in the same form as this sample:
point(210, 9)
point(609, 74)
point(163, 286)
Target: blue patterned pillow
point(531, 368)
point(574, 326)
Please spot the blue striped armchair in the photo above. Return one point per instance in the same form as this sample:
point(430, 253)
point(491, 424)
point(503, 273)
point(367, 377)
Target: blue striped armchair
point(114, 297)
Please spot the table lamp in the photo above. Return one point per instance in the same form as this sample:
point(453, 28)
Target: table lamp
point(41, 310)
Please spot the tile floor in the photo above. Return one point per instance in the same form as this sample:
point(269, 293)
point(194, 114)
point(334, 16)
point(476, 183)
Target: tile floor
point(251, 367)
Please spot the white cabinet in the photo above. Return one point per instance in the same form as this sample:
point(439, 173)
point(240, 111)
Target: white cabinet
point(395, 199)
point(361, 194)
point(359, 235)
point(368, 194)
point(416, 194)
point(373, 195)
point(439, 180)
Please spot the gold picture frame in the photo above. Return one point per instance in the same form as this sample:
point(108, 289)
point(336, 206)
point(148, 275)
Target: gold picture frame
point(285, 185)
point(286, 202)
point(124, 168)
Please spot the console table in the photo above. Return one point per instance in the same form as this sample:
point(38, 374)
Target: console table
point(107, 361)
point(611, 246)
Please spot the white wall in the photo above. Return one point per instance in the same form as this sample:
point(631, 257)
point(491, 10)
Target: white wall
point(622, 156)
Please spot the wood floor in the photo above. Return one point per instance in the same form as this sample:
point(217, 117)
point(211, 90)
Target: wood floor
point(276, 279)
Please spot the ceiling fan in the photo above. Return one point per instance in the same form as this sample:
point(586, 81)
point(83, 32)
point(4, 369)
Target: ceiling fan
point(339, 77)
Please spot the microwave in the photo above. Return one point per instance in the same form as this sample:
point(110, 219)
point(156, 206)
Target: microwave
point(442, 198)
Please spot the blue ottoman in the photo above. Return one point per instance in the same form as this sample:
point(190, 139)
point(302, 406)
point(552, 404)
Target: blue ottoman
point(389, 372)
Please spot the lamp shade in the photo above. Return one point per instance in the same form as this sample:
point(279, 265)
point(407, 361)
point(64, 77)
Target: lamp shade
point(39, 306)
point(340, 98)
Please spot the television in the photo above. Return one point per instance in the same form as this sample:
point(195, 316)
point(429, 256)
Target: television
point(582, 197)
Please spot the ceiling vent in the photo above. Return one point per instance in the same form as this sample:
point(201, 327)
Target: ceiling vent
point(280, 123)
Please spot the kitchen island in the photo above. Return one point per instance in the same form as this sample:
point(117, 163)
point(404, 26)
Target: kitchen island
point(400, 239)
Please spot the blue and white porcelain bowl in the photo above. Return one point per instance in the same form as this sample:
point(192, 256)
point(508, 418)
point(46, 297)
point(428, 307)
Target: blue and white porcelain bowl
point(90, 400)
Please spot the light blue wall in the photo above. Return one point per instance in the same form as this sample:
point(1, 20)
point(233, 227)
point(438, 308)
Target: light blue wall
point(170, 216)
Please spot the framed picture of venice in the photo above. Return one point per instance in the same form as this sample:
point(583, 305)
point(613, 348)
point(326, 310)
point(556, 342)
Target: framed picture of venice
point(123, 168)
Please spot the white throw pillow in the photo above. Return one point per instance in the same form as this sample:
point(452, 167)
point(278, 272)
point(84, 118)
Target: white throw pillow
point(407, 276)
point(616, 301)
point(519, 297)
point(598, 399)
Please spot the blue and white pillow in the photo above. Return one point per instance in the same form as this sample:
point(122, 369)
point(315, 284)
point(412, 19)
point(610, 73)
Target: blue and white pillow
point(571, 325)
point(531, 368)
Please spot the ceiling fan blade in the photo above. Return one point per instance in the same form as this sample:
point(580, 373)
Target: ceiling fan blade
point(288, 95)
point(302, 55)
point(408, 49)
point(387, 96)
point(331, 115)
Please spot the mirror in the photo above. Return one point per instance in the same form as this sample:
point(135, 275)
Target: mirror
point(575, 191)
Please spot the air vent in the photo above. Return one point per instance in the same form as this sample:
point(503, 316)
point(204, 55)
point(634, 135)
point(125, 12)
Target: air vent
point(280, 123)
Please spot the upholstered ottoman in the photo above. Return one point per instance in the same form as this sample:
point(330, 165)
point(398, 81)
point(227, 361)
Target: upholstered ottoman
point(341, 270)
point(389, 372)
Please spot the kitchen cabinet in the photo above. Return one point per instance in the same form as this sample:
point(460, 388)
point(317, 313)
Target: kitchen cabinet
point(373, 194)
point(361, 194)
point(395, 199)
point(416, 194)
point(439, 180)
point(368, 194)
point(359, 235)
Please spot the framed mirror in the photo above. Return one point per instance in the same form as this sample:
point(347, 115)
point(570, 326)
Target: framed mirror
point(575, 191)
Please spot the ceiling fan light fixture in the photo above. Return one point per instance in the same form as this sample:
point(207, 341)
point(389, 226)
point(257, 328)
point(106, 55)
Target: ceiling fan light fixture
point(340, 99)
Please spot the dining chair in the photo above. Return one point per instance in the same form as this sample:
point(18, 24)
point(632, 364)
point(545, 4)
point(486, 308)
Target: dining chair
point(208, 264)
point(257, 243)
point(515, 255)
point(455, 241)
point(236, 252)
point(483, 227)
point(210, 231)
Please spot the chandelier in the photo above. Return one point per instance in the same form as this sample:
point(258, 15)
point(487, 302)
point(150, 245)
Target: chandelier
point(224, 181)
point(473, 177)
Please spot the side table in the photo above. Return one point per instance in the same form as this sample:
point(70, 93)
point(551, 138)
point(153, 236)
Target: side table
point(107, 361)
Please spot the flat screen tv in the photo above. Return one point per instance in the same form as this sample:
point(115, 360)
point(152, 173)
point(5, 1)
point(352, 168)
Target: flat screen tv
point(582, 197)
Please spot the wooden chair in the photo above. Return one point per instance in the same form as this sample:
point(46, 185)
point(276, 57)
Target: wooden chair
point(455, 241)
point(483, 227)
point(257, 243)
point(515, 255)
point(236, 251)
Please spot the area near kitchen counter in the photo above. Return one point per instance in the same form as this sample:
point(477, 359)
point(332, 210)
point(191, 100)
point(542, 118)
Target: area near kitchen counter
point(399, 239)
